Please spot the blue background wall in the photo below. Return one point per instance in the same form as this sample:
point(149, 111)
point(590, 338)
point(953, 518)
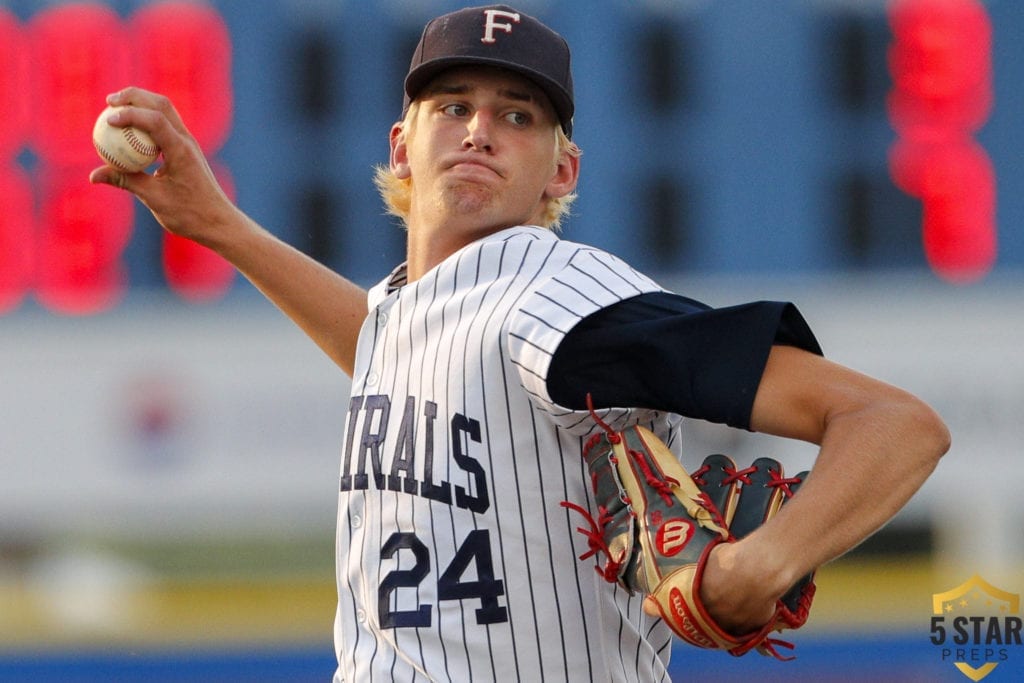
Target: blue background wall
point(717, 136)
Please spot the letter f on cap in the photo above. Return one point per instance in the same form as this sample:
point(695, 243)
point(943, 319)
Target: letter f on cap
point(491, 24)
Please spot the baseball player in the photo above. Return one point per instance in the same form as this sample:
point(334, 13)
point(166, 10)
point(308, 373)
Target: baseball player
point(472, 366)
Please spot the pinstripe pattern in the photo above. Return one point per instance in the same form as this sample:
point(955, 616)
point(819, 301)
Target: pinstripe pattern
point(455, 560)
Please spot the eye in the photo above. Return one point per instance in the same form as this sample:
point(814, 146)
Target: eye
point(517, 118)
point(455, 109)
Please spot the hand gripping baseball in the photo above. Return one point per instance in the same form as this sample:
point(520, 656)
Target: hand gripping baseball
point(656, 526)
point(182, 192)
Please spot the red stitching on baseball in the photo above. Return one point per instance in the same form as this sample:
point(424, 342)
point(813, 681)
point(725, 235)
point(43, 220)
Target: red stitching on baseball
point(109, 158)
point(136, 143)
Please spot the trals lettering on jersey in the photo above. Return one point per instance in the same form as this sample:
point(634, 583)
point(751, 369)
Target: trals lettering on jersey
point(408, 465)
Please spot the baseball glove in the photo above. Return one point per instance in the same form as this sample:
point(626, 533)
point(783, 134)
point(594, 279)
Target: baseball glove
point(656, 525)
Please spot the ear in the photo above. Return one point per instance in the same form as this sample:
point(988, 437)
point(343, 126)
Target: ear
point(567, 174)
point(399, 152)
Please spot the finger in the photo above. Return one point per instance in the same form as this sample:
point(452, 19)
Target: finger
point(163, 132)
point(651, 607)
point(139, 98)
point(129, 95)
point(104, 175)
point(108, 175)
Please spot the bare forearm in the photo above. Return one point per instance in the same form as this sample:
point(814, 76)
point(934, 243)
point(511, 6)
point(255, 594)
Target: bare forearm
point(871, 462)
point(878, 444)
point(327, 307)
point(184, 196)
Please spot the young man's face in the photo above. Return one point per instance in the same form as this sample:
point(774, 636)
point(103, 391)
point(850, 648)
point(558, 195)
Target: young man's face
point(483, 148)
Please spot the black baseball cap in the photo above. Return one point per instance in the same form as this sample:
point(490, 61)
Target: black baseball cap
point(495, 35)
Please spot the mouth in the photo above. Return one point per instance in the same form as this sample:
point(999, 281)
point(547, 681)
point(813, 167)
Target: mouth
point(473, 166)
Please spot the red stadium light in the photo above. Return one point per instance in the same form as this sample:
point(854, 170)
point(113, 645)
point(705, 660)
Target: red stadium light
point(184, 52)
point(941, 64)
point(17, 233)
point(84, 230)
point(957, 183)
point(17, 229)
point(13, 80)
point(942, 93)
point(79, 55)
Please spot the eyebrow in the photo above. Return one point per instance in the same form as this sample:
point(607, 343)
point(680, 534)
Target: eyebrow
point(463, 89)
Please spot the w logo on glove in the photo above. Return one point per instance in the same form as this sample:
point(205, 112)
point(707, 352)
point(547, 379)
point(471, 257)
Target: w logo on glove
point(673, 536)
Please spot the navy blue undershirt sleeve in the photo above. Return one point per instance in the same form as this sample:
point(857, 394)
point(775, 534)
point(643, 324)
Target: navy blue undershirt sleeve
point(667, 352)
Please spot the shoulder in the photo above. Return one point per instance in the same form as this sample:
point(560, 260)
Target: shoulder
point(583, 268)
point(576, 281)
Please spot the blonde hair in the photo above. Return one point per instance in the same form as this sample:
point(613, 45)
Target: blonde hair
point(397, 192)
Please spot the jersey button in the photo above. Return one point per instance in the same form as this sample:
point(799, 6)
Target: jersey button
point(357, 521)
point(361, 616)
point(372, 379)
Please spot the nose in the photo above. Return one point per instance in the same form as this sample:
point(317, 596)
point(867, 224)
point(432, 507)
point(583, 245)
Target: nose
point(478, 132)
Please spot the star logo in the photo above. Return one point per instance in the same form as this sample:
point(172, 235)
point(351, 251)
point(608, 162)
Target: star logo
point(974, 624)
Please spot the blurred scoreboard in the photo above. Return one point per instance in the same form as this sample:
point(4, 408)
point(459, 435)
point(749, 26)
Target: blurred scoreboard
point(64, 242)
point(718, 137)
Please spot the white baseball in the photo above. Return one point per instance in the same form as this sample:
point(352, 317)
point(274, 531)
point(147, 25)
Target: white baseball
point(128, 149)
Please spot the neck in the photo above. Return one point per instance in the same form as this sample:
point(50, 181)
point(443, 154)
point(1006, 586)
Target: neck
point(433, 236)
point(427, 247)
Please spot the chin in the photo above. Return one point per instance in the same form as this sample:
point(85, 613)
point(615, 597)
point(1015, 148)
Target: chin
point(468, 199)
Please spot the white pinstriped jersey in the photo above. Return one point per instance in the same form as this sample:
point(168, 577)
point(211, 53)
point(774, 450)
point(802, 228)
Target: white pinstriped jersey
point(456, 561)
